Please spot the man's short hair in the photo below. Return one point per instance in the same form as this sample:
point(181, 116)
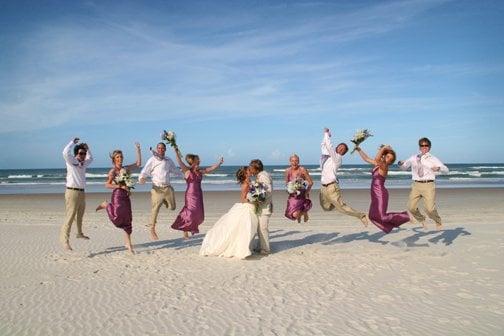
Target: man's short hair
point(257, 165)
point(344, 144)
point(424, 140)
point(78, 147)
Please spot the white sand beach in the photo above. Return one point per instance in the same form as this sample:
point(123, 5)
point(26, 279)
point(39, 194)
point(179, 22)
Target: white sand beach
point(330, 276)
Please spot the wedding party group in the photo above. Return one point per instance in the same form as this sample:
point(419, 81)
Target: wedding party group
point(234, 233)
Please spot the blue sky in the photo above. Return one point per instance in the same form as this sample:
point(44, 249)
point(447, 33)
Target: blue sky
point(250, 79)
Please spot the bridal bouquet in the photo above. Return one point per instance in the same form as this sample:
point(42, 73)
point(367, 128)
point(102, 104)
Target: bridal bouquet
point(296, 186)
point(169, 137)
point(257, 193)
point(124, 178)
point(359, 138)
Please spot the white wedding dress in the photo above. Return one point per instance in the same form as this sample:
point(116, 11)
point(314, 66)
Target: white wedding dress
point(232, 234)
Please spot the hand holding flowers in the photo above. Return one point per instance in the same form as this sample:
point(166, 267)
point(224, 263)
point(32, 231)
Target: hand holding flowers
point(169, 137)
point(296, 186)
point(124, 179)
point(359, 138)
point(257, 192)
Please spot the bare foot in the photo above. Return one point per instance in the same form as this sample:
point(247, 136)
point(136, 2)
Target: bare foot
point(82, 236)
point(413, 220)
point(186, 235)
point(130, 249)
point(305, 217)
point(299, 219)
point(67, 247)
point(439, 226)
point(153, 234)
point(101, 206)
point(364, 220)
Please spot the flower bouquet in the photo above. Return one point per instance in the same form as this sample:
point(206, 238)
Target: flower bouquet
point(257, 193)
point(124, 178)
point(296, 186)
point(169, 137)
point(359, 138)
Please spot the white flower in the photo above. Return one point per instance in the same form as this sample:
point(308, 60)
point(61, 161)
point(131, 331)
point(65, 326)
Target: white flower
point(296, 186)
point(359, 137)
point(124, 178)
point(169, 137)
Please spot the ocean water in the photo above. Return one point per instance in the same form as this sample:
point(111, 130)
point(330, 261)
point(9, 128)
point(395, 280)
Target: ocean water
point(32, 181)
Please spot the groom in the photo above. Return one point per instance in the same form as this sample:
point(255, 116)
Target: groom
point(256, 169)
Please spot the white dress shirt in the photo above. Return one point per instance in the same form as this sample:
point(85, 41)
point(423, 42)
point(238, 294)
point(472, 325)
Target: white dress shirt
point(159, 170)
point(76, 170)
point(332, 164)
point(427, 162)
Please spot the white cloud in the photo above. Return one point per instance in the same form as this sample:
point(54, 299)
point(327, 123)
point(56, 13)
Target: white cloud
point(132, 69)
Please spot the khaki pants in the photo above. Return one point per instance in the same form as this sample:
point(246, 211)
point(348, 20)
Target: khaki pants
point(160, 196)
point(75, 204)
point(330, 198)
point(263, 233)
point(427, 191)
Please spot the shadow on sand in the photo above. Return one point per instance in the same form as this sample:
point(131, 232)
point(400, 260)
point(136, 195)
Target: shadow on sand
point(446, 237)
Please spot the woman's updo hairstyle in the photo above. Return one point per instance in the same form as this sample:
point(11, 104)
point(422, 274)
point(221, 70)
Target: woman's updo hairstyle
point(114, 153)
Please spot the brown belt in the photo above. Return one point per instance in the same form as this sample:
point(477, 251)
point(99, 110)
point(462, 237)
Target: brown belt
point(328, 184)
point(78, 189)
point(426, 181)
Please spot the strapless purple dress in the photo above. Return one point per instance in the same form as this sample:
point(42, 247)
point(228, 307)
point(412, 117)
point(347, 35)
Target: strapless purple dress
point(378, 214)
point(119, 210)
point(193, 213)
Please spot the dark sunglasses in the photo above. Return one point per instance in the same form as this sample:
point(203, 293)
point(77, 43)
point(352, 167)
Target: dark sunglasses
point(424, 145)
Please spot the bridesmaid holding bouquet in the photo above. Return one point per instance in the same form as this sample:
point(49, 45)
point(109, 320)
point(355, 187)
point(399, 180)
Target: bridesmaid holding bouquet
point(119, 179)
point(299, 184)
point(378, 214)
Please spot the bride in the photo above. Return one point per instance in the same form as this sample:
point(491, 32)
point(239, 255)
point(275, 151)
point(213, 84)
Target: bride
point(232, 234)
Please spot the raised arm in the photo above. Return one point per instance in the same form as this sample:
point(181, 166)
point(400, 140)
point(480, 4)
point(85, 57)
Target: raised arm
point(89, 156)
point(329, 150)
point(181, 163)
point(327, 146)
point(67, 151)
point(138, 162)
point(365, 157)
point(210, 169)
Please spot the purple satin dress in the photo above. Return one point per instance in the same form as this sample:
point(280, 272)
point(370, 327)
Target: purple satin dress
point(378, 214)
point(193, 213)
point(297, 202)
point(119, 210)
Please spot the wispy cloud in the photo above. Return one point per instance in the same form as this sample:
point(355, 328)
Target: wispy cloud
point(148, 68)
